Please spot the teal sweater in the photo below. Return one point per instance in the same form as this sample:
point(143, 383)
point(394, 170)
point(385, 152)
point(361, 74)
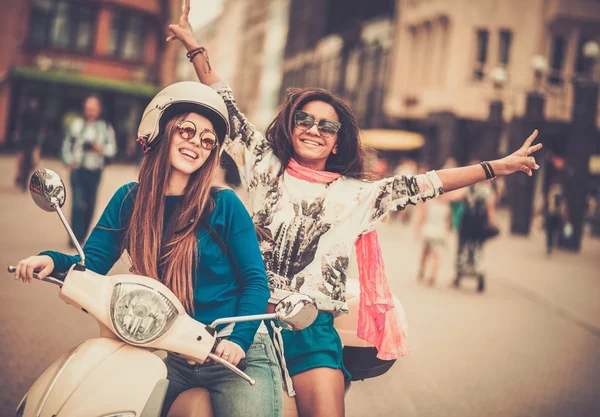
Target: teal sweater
point(226, 285)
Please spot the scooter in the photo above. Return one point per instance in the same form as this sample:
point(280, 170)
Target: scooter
point(121, 373)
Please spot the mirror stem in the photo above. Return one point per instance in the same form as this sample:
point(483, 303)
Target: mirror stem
point(70, 232)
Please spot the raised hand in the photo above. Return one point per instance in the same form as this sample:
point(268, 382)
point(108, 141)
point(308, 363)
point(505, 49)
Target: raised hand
point(521, 160)
point(183, 30)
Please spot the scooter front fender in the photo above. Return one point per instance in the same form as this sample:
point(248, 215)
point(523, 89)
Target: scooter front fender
point(100, 377)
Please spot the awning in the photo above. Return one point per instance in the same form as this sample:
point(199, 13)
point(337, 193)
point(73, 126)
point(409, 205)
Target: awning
point(79, 80)
point(392, 140)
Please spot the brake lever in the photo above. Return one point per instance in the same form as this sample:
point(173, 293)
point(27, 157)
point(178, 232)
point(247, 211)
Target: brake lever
point(232, 368)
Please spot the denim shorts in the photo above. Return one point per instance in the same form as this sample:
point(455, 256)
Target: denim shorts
point(317, 346)
point(231, 396)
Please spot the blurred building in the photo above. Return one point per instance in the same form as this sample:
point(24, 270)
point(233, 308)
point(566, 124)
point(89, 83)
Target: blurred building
point(246, 43)
point(343, 46)
point(63, 50)
point(452, 58)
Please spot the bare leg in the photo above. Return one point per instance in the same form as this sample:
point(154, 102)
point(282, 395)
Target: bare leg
point(434, 268)
point(320, 393)
point(36, 157)
point(424, 256)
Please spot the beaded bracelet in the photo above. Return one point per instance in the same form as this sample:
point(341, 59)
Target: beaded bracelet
point(201, 50)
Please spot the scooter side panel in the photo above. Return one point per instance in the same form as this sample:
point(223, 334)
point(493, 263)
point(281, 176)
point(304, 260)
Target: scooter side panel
point(123, 381)
point(88, 374)
point(39, 387)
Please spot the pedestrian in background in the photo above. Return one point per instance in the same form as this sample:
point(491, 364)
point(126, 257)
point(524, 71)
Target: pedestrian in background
point(29, 142)
point(434, 226)
point(476, 227)
point(88, 142)
point(555, 214)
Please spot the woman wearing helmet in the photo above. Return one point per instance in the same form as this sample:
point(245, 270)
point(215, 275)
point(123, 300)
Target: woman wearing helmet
point(305, 184)
point(197, 240)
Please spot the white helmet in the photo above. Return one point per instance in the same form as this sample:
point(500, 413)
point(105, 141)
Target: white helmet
point(185, 96)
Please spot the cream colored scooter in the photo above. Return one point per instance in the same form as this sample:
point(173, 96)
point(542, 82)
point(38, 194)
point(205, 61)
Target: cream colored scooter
point(119, 373)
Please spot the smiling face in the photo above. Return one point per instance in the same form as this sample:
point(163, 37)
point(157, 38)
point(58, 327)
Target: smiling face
point(187, 153)
point(311, 148)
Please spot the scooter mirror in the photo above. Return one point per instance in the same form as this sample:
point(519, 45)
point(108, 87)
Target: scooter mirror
point(296, 312)
point(47, 189)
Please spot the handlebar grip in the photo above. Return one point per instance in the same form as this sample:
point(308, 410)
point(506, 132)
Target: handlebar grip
point(242, 364)
point(60, 276)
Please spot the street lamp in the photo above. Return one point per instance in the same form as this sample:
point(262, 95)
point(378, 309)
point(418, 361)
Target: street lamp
point(522, 189)
point(591, 51)
point(539, 64)
point(499, 77)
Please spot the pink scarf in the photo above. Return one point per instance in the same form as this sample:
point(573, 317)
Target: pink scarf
point(378, 323)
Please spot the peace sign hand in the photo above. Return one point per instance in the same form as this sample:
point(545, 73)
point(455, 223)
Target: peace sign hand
point(521, 159)
point(183, 30)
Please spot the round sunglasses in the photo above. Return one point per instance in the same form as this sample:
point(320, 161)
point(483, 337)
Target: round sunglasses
point(187, 130)
point(305, 121)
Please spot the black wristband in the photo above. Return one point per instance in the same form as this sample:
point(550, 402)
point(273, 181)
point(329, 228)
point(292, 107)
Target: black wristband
point(489, 171)
point(488, 175)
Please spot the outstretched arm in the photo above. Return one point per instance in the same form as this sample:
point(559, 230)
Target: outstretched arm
point(396, 193)
point(520, 160)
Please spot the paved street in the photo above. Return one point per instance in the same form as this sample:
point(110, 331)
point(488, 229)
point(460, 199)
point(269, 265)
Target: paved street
point(529, 346)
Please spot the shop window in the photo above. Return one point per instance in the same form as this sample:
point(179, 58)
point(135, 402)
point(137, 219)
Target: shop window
point(557, 59)
point(481, 54)
point(63, 25)
point(504, 50)
point(127, 36)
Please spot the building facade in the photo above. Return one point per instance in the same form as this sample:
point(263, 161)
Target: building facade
point(346, 50)
point(61, 51)
point(453, 58)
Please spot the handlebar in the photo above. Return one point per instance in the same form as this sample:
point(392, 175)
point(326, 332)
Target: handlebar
point(57, 278)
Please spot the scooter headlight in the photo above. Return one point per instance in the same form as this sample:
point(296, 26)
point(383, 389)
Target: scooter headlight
point(140, 314)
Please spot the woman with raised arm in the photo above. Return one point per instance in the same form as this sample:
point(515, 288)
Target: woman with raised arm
point(306, 187)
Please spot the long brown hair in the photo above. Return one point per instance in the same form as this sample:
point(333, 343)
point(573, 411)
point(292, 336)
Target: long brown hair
point(349, 160)
point(170, 257)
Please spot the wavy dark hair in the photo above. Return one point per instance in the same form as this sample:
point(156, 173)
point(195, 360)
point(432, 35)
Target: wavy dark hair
point(349, 160)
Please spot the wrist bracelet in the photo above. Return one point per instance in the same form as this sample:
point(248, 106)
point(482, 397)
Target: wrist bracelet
point(489, 171)
point(201, 50)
